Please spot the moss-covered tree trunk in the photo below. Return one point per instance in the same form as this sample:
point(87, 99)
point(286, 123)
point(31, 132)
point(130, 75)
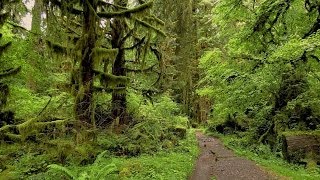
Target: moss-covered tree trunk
point(84, 106)
point(5, 116)
point(186, 40)
point(119, 100)
point(36, 17)
point(36, 45)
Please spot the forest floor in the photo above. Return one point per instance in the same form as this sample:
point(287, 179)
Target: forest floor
point(218, 162)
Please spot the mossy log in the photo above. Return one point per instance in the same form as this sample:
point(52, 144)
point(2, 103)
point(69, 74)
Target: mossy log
point(301, 146)
point(31, 128)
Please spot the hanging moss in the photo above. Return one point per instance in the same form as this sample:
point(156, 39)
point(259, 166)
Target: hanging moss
point(58, 48)
point(108, 90)
point(67, 7)
point(4, 47)
point(111, 80)
point(10, 72)
point(126, 13)
point(100, 54)
point(30, 128)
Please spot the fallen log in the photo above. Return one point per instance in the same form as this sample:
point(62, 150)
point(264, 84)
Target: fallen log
point(301, 146)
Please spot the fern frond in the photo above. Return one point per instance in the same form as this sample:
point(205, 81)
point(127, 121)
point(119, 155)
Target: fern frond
point(103, 172)
point(100, 156)
point(62, 169)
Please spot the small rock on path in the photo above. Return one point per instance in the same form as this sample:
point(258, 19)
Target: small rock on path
point(217, 161)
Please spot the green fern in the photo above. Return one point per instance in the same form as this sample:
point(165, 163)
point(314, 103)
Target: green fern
point(100, 157)
point(103, 172)
point(64, 170)
point(95, 172)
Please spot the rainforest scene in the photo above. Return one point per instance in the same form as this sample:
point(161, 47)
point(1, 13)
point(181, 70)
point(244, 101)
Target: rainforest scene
point(159, 89)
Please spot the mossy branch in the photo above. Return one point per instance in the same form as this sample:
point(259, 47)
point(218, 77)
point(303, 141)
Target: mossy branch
point(27, 128)
point(156, 52)
point(104, 53)
point(58, 48)
point(72, 22)
point(71, 9)
point(127, 36)
point(22, 28)
point(103, 3)
point(10, 72)
point(155, 19)
point(4, 47)
point(7, 128)
point(109, 78)
point(98, 89)
point(12, 137)
point(149, 69)
point(72, 30)
point(149, 26)
point(91, 8)
point(126, 13)
point(136, 45)
point(45, 107)
point(263, 137)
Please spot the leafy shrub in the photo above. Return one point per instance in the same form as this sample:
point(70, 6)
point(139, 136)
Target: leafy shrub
point(158, 125)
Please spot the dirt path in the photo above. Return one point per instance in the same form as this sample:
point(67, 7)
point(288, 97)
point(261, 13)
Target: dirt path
point(217, 161)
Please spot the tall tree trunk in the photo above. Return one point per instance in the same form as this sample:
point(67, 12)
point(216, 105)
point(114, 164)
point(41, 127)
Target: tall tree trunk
point(36, 17)
point(119, 100)
point(34, 38)
point(84, 106)
point(184, 51)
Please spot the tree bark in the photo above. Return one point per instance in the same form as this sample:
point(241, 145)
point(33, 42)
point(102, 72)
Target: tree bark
point(36, 17)
point(84, 106)
point(183, 51)
point(119, 100)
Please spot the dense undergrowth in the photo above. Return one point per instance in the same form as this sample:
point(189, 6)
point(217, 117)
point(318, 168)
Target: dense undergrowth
point(168, 163)
point(158, 138)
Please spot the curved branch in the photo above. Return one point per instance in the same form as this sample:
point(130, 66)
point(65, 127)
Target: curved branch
point(136, 45)
point(141, 70)
point(45, 107)
point(125, 13)
point(147, 25)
